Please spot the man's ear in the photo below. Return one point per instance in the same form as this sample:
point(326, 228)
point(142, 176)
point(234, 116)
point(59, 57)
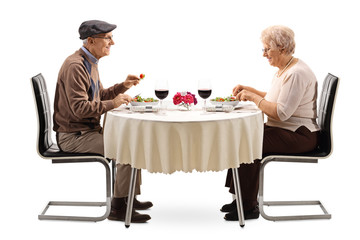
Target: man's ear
point(91, 40)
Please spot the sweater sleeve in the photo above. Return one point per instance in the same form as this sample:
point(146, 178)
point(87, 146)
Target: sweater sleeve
point(76, 86)
point(291, 94)
point(111, 92)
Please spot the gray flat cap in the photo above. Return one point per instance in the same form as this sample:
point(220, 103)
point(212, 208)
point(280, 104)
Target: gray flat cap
point(93, 27)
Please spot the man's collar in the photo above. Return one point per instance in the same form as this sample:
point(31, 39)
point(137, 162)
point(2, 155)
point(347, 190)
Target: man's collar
point(89, 55)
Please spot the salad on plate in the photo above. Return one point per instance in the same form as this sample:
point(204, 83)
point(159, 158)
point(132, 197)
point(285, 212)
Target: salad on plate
point(230, 100)
point(140, 101)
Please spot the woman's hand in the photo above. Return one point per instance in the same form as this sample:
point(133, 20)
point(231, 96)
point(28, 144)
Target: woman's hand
point(238, 88)
point(245, 95)
point(131, 80)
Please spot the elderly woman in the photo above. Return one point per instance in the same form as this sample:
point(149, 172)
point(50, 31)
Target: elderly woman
point(290, 106)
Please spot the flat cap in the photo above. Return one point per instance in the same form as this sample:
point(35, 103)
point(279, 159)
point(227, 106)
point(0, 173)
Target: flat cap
point(93, 27)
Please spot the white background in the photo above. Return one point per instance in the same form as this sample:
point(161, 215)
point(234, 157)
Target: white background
point(182, 41)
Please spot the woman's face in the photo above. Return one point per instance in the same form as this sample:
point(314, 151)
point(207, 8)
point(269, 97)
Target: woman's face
point(273, 55)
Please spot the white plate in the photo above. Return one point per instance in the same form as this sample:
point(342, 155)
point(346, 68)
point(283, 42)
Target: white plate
point(143, 103)
point(232, 103)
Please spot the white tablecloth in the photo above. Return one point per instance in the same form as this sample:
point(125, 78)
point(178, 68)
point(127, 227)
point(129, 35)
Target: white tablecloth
point(184, 140)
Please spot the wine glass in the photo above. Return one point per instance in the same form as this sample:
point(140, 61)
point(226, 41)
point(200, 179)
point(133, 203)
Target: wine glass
point(204, 90)
point(161, 90)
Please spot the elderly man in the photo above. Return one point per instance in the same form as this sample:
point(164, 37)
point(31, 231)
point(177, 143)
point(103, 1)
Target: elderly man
point(80, 100)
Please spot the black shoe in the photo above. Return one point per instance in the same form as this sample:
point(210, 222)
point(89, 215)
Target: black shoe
point(141, 205)
point(229, 207)
point(250, 214)
point(118, 212)
point(119, 215)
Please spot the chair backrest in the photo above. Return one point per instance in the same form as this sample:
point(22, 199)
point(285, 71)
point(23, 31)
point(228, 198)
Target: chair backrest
point(325, 112)
point(44, 113)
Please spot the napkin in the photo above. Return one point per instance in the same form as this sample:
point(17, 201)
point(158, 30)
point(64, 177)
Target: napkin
point(219, 108)
point(144, 108)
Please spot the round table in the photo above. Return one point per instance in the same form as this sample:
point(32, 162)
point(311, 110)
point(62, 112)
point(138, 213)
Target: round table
point(184, 140)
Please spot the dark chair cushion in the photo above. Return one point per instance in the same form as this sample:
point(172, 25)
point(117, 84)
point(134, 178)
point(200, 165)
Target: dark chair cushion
point(313, 154)
point(54, 152)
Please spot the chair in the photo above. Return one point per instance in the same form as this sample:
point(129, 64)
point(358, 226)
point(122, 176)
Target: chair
point(47, 149)
point(324, 150)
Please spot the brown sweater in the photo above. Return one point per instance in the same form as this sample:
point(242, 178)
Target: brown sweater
point(80, 98)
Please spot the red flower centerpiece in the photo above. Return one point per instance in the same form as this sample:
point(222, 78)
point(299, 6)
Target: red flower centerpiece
point(184, 99)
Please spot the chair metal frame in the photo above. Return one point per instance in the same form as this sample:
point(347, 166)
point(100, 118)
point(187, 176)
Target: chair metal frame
point(301, 158)
point(47, 149)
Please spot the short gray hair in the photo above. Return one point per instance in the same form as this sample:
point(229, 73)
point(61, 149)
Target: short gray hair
point(279, 37)
point(85, 41)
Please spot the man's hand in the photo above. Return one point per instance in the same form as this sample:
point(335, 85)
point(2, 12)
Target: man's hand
point(131, 80)
point(121, 99)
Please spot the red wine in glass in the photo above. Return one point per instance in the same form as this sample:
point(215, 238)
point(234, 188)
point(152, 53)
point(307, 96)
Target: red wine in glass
point(204, 93)
point(204, 90)
point(161, 93)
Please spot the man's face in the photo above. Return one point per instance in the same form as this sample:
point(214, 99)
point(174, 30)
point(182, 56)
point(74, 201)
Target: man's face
point(100, 44)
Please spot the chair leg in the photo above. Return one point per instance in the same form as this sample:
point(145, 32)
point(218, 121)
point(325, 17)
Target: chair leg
point(44, 216)
point(107, 203)
point(113, 165)
point(325, 214)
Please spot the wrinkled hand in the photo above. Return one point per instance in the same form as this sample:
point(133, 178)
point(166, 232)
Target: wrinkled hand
point(121, 99)
point(245, 95)
point(238, 88)
point(131, 80)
